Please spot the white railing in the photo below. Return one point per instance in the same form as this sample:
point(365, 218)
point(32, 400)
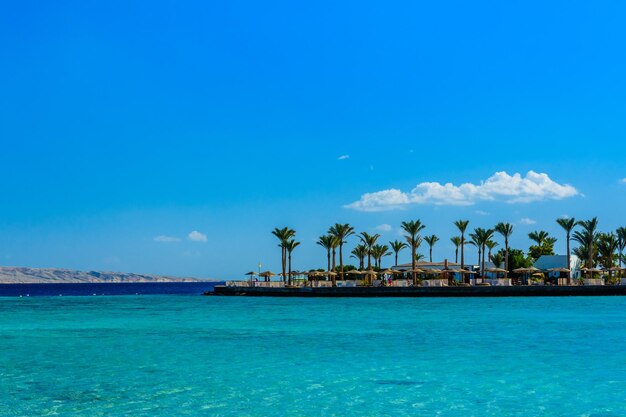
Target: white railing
point(435, 283)
point(500, 282)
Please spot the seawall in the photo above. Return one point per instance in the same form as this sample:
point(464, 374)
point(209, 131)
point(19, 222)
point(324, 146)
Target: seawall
point(516, 291)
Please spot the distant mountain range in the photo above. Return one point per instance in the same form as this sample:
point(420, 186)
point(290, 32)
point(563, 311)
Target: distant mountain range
point(24, 275)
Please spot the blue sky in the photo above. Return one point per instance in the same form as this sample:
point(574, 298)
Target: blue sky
point(123, 122)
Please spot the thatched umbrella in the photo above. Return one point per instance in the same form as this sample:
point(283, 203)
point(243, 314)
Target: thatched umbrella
point(267, 275)
point(591, 271)
point(611, 270)
point(559, 270)
point(434, 271)
point(370, 275)
point(526, 271)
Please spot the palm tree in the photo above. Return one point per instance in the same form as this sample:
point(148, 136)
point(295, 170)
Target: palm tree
point(379, 252)
point(505, 230)
point(341, 232)
point(290, 246)
point(369, 241)
point(396, 247)
point(414, 240)
point(475, 241)
point(430, 241)
point(587, 237)
point(491, 245)
point(480, 237)
point(621, 242)
point(462, 226)
point(497, 259)
point(326, 242)
point(568, 225)
point(607, 246)
point(334, 246)
point(456, 241)
point(539, 237)
point(360, 252)
point(283, 236)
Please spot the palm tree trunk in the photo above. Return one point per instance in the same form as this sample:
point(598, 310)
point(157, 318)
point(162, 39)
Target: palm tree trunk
point(456, 255)
point(506, 257)
point(284, 265)
point(333, 279)
point(289, 268)
point(369, 261)
point(569, 262)
point(430, 253)
point(413, 255)
point(328, 258)
point(396, 259)
point(341, 258)
point(479, 273)
point(463, 254)
point(483, 268)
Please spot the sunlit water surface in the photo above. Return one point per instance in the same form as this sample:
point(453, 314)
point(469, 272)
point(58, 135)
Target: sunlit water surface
point(172, 355)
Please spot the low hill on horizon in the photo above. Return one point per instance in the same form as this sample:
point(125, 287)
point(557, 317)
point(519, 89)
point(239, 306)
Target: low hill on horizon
point(26, 275)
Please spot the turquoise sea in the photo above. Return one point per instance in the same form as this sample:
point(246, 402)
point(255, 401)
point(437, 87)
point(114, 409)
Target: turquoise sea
point(173, 355)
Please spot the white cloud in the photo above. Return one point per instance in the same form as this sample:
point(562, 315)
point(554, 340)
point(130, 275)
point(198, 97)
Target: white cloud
point(623, 181)
point(528, 221)
point(482, 213)
point(384, 228)
point(499, 187)
point(343, 157)
point(166, 239)
point(197, 236)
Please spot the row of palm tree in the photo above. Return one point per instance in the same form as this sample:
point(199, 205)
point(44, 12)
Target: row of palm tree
point(287, 244)
point(592, 245)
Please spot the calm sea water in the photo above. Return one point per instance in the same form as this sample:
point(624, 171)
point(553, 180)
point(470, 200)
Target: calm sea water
point(168, 355)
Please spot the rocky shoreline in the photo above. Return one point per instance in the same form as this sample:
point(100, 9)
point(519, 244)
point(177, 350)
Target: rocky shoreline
point(26, 275)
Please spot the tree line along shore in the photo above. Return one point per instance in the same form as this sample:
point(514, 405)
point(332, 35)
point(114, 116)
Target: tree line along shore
point(594, 247)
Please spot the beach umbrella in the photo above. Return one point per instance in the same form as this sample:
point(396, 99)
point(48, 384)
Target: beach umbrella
point(416, 270)
point(526, 271)
point(495, 270)
point(590, 270)
point(250, 273)
point(267, 275)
